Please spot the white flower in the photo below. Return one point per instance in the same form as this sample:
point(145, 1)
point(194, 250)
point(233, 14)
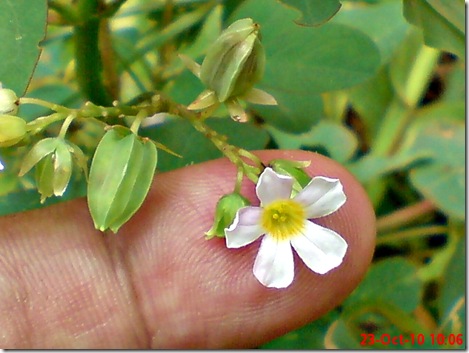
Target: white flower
point(284, 222)
point(1, 166)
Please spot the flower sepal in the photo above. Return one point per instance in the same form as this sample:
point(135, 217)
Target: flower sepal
point(52, 158)
point(225, 213)
point(293, 169)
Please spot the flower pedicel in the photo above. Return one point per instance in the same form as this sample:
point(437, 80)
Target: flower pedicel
point(284, 222)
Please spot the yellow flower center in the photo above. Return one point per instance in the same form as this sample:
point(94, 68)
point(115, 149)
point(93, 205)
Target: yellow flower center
point(283, 219)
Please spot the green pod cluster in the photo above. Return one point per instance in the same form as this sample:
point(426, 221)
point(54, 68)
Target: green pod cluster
point(52, 158)
point(235, 62)
point(120, 177)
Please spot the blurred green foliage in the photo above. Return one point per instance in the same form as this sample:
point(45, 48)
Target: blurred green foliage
point(376, 85)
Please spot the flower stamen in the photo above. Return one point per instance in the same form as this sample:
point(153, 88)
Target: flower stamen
point(283, 219)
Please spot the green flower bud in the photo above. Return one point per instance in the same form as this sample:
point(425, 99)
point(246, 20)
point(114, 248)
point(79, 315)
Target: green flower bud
point(8, 101)
point(225, 213)
point(12, 130)
point(120, 177)
point(233, 64)
point(293, 169)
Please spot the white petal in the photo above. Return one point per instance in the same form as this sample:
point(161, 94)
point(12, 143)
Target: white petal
point(273, 186)
point(321, 197)
point(245, 228)
point(274, 263)
point(321, 249)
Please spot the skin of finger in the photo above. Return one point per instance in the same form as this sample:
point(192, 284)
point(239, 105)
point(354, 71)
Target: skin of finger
point(159, 283)
point(215, 301)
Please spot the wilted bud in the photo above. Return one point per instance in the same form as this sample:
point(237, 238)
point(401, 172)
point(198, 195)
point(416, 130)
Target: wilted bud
point(8, 101)
point(52, 158)
point(294, 169)
point(233, 64)
point(12, 130)
point(120, 176)
point(225, 213)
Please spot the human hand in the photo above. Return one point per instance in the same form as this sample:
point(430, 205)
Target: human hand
point(158, 283)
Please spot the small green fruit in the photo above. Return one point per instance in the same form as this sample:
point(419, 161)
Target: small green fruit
point(120, 176)
point(225, 213)
point(8, 101)
point(12, 130)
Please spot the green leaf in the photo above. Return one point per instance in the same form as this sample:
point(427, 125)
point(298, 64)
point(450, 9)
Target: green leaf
point(209, 32)
point(455, 85)
point(452, 303)
point(26, 200)
point(310, 336)
point(444, 185)
point(314, 13)
point(443, 179)
point(340, 142)
point(442, 23)
point(295, 112)
point(398, 285)
point(371, 99)
point(22, 27)
point(302, 60)
point(195, 147)
point(157, 37)
point(370, 167)
point(382, 22)
point(342, 337)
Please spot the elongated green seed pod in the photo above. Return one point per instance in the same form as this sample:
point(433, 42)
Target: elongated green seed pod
point(120, 176)
point(235, 62)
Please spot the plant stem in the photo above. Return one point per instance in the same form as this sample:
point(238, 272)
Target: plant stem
point(411, 233)
point(158, 103)
point(87, 54)
point(404, 216)
point(52, 106)
point(400, 109)
point(66, 125)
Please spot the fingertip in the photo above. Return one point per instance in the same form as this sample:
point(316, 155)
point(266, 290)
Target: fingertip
point(213, 288)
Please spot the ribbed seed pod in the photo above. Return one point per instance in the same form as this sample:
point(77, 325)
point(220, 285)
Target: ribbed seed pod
point(120, 176)
point(235, 62)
